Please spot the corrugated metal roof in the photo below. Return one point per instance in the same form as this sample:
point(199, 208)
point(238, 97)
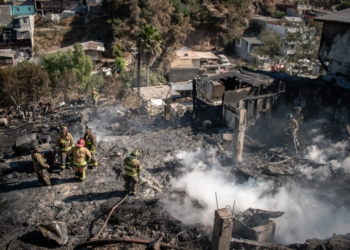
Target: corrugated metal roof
point(252, 78)
point(206, 55)
point(186, 54)
point(342, 16)
point(181, 86)
point(252, 40)
point(158, 92)
point(293, 19)
point(6, 55)
point(265, 18)
point(178, 63)
point(22, 29)
point(86, 45)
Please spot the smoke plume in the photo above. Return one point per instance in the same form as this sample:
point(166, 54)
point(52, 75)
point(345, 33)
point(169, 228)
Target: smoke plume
point(330, 158)
point(191, 199)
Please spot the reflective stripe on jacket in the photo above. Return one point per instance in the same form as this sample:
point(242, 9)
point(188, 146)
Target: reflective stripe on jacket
point(38, 162)
point(79, 155)
point(132, 166)
point(65, 142)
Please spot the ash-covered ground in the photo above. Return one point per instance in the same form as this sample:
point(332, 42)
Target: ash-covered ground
point(183, 167)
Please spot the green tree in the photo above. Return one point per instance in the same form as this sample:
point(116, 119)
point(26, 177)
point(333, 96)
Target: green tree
point(151, 46)
point(344, 5)
point(56, 63)
point(117, 50)
point(70, 62)
point(278, 14)
point(301, 44)
point(25, 82)
point(82, 65)
point(120, 64)
point(272, 43)
point(116, 26)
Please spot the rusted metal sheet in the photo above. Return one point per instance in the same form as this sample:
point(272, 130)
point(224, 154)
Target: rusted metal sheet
point(254, 224)
point(233, 97)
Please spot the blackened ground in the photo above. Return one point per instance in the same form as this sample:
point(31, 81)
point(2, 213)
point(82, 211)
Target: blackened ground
point(83, 205)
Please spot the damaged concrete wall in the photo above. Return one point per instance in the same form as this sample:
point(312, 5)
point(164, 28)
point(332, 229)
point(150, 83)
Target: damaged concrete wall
point(335, 49)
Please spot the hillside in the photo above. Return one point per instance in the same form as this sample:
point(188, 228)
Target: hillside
point(196, 24)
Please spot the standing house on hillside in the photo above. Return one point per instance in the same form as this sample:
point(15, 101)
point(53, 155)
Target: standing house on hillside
point(334, 50)
point(206, 57)
point(285, 26)
point(185, 67)
point(18, 29)
point(154, 97)
point(92, 48)
point(57, 6)
point(27, 3)
point(7, 58)
point(245, 46)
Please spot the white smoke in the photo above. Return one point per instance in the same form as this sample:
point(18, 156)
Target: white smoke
point(191, 199)
point(329, 156)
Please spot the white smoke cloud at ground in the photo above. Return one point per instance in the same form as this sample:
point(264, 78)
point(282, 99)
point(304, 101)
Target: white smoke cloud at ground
point(304, 215)
point(329, 156)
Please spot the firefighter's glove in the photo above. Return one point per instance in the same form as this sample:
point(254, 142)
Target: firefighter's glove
point(92, 148)
point(58, 149)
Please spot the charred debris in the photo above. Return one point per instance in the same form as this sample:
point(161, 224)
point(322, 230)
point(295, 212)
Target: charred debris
point(237, 120)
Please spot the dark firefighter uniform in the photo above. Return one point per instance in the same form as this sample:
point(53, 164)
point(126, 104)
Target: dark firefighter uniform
point(290, 128)
point(132, 168)
point(80, 154)
point(64, 143)
point(91, 143)
point(40, 167)
point(298, 116)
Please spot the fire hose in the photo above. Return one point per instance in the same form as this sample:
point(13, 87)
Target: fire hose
point(109, 216)
point(121, 240)
point(295, 144)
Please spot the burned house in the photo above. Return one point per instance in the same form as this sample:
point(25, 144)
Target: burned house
point(237, 89)
point(334, 48)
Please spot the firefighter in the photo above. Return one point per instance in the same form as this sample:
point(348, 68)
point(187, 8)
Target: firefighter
point(91, 144)
point(290, 128)
point(80, 154)
point(94, 96)
point(298, 116)
point(64, 143)
point(40, 167)
point(132, 170)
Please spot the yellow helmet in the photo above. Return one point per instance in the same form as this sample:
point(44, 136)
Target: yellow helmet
point(135, 152)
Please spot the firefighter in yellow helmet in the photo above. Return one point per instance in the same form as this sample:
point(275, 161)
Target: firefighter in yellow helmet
point(290, 128)
point(40, 167)
point(298, 116)
point(80, 154)
point(64, 143)
point(132, 169)
point(94, 96)
point(91, 144)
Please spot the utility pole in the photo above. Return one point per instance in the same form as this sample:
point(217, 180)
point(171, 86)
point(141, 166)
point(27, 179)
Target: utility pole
point(139, 67)
point(239, 133)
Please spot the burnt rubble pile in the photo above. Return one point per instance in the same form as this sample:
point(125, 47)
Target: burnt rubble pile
point(83, 206)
